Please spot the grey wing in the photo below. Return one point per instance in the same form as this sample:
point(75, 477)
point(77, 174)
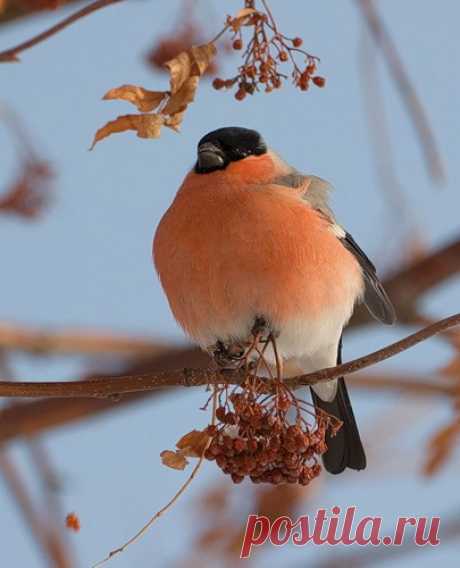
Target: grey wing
point(375, 297)
point(317, 193)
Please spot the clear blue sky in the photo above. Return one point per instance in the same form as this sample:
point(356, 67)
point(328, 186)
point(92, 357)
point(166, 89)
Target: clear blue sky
point(87, 262)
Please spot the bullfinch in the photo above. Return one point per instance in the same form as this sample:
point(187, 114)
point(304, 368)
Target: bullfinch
point(249, 238)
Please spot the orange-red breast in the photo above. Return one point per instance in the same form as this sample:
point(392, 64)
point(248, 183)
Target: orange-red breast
point(249, 237)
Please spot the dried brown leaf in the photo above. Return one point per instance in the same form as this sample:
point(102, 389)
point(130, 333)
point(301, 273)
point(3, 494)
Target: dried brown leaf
point(184, 96)
point(202, 55)
point(180, 69)
point(441, 446)
point(174, 460)
point(244, 13)
point(186, 70)
point(174, 121)
point(145, 125)
point(191, 63)
point(143, 99)
point(193, 443)
point(243, 17)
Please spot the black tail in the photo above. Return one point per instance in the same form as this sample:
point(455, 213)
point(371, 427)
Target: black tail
point(345, 449)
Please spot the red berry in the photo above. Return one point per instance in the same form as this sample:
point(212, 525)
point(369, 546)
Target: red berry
point(240, 94)
point(218, 83)
point(297, 41)
point(237, 44)
point(319, 81)
point(283, 56)
point(303, 84)
point(220, 414)
point(237, 478)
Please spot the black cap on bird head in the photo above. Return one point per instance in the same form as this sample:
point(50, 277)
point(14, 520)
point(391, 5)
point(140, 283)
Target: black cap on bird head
point(220, 147)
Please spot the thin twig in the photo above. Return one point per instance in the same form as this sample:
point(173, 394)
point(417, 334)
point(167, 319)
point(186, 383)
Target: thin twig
point(50, 519)
point(158, 514)
point(103, 387)
point(10, 55)
point(13, 10)
point(47, 536)
point(406, 89)
point(415, 386)
point(374, 104)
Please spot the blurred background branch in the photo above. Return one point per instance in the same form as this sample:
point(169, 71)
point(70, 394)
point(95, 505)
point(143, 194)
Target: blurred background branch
point(419, 399)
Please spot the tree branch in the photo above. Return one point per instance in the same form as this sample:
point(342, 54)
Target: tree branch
point(406, 88)
point(410, 283)
point(43, 342)
point(24, 419)
point(116, 386)
point(10, 55)
point(18, 9)
point(46, 535)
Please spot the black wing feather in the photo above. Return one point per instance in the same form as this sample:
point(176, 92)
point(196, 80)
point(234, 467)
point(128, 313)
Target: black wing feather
point(345, 449)
point(375, 297)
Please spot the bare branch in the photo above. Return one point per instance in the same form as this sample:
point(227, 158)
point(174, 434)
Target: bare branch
point(44, 342)
point(409, 284)
point(106, 387)
point(11, 55)
point(414, 385)
point(49, 518)
point(18, 9)
point(46, 535)
point(37, 416)
point(406, 89)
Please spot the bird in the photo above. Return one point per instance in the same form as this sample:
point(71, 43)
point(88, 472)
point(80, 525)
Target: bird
point(249, 237)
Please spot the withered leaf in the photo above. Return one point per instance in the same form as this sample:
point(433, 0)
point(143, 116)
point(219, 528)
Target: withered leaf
point(180, 69)
point(186, 70)
point(241, 18)
point(202, 55)
point(144, 99)
point(244, 13)
point(193, 444)
point(174, 460)
point(145, 125)
point(193, 62)
point(174, 121)
point(185, 95)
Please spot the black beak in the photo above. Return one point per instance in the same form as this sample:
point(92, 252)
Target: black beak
point(210, 158)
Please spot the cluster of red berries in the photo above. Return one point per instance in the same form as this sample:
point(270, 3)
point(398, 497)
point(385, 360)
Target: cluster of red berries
point(255, 439)
point(264, 52)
